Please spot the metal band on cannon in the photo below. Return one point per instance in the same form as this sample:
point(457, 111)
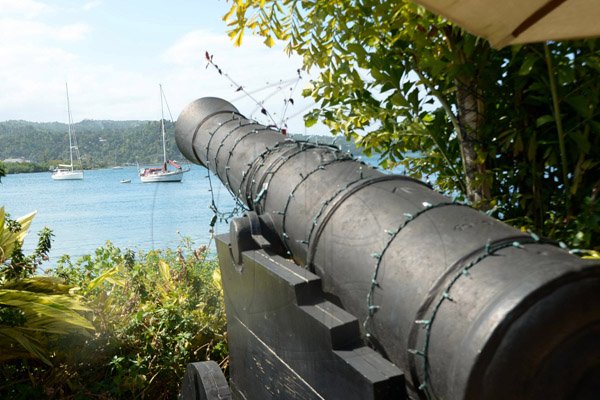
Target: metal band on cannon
point(457, 304)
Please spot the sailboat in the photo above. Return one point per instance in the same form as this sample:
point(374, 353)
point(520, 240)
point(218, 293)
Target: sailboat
point(66, 172)
point(163, 173)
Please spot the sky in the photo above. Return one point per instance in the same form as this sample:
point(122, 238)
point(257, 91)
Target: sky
point(114, 54)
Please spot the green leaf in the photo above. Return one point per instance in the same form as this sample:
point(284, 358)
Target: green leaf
point(165, 271)
point(518, 145)
point(528, 64)
point(8, 239)
point(109, 276)
point(398, 99)
point(269, 41)
point(566, 75)
point(544, 119)
point(26, 342)
point(583, 144)
point(310, 120)
point(229, 13)
point(238, 39)
point(581, 104)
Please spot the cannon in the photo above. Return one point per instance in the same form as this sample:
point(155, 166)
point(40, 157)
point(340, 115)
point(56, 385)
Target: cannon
point(344, 282)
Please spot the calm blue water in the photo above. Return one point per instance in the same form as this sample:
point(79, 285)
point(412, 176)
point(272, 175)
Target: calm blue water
point(141, 216)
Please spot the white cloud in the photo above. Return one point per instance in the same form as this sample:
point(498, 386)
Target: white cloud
point(266, 72)
point(91, 4)
point(72, 32)
point(23, 8)
point(21, 30)
point(36, 59)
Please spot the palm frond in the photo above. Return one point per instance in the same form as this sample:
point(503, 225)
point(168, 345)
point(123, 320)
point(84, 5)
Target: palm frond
point(56, 307)
point(26, 341)
point(49, 310)
point(8, 238)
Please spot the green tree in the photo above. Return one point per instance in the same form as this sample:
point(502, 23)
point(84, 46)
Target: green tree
point(512, 129)
point(2, 170)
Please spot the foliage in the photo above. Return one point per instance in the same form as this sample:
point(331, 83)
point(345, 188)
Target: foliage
point(34, 311)
point(2, 170)
point(12, 232)
point(512, 129)
point(25, 167)
point(13, 263)
point(101, 143)
point(153, 314)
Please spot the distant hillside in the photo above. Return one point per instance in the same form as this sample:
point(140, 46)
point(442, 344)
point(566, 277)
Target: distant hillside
point(101, 143)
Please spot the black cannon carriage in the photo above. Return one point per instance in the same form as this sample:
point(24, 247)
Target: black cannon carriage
point(342, 282)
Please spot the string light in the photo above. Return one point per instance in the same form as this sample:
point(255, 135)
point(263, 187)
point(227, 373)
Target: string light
point(489, 249)
point(379, 256)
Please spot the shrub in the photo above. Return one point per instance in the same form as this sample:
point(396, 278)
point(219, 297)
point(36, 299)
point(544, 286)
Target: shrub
point(35, 311)
point(153, 313)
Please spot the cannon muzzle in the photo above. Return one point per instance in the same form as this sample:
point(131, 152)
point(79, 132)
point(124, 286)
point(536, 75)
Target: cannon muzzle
point(465, 305)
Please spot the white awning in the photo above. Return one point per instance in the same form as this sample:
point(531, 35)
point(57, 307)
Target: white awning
point(504, 22)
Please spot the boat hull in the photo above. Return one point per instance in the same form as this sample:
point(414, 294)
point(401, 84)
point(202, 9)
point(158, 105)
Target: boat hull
point(171, 176)
point(67, 175)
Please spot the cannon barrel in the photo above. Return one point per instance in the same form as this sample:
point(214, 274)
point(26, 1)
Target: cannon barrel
point(467, 306)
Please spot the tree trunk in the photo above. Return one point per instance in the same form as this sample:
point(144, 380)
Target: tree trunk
point(470, 119)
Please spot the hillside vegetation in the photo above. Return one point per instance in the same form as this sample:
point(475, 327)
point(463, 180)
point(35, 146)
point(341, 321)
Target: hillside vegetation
point(101, 143)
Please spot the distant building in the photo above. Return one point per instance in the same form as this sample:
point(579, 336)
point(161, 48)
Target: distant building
point(19, 160)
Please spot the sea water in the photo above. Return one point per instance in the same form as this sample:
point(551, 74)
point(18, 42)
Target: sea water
point(85, 214)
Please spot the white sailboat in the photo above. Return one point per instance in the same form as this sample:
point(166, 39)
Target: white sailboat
point(163, 173)
point(66, 172)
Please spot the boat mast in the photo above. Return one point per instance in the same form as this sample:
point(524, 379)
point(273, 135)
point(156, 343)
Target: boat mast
point(69, 123)
point(162, 126)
